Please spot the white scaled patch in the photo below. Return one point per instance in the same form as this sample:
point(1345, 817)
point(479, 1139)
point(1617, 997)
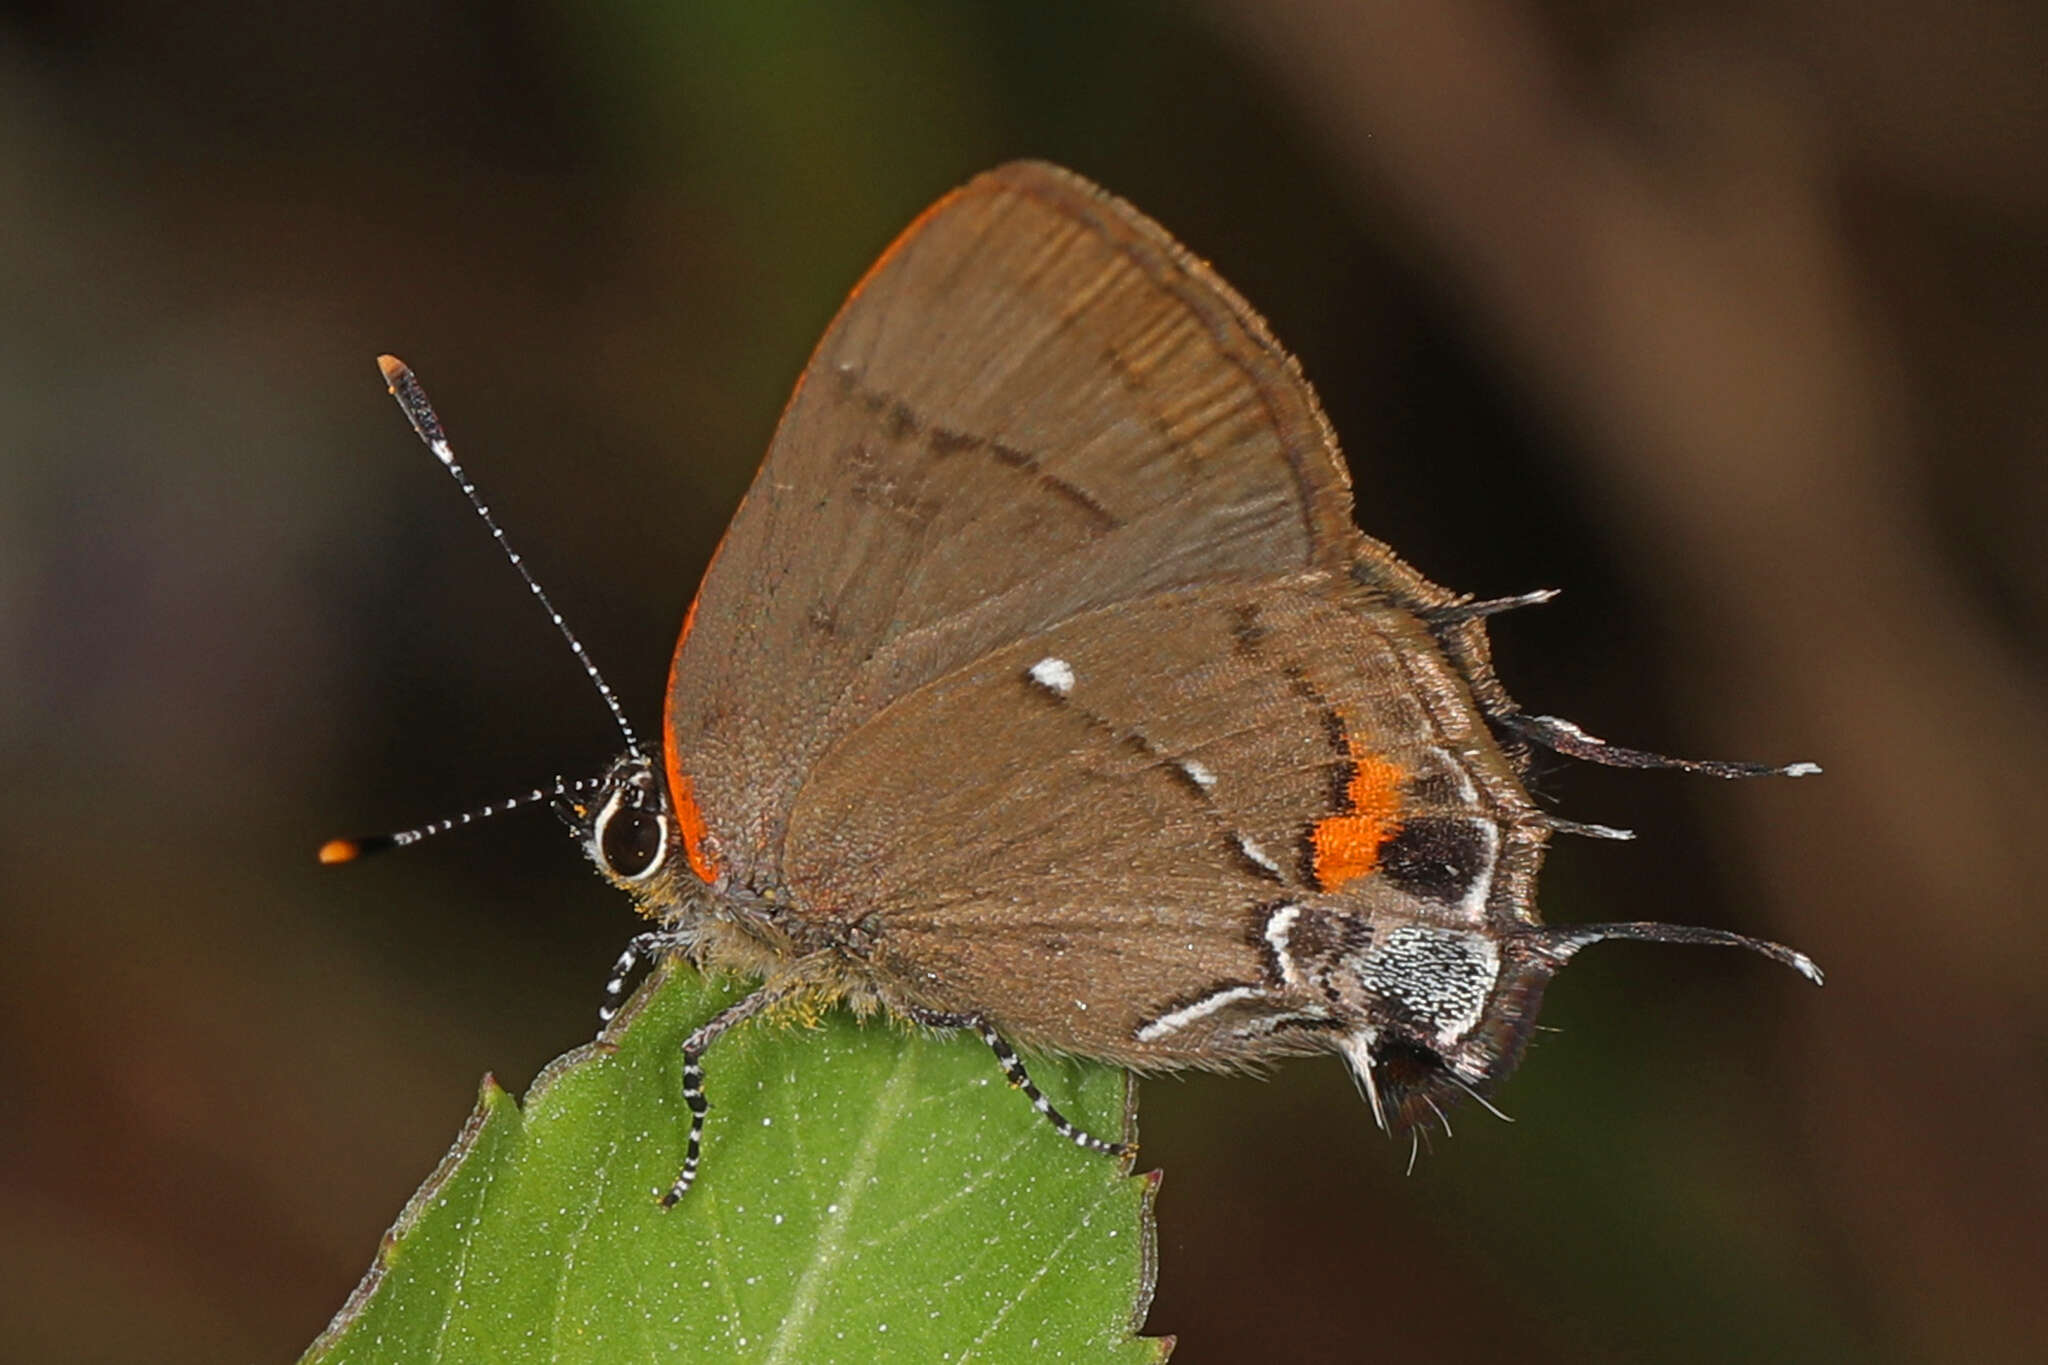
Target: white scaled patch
point(1198, 773)
point(1443, 976)
point(1179, 1019)
point(1474, 903)
point(1258, 855)
point(1054, 675)
point(1279, 929)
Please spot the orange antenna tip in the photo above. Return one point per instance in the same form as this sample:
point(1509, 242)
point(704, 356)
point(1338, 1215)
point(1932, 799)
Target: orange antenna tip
point(348, 850)
point(392, 368)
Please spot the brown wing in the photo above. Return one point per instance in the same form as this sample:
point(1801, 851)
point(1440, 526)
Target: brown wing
point(1036, 405)
point(1086, 834)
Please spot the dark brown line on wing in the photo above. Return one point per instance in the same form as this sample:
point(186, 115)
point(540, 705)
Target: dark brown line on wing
point(1072, 492)
point(1251, 636)
point(1175, 767)
point(1137, 742)
point(904, 423)
point(1246, 630)
point(1179, 274)
point(1244, 858)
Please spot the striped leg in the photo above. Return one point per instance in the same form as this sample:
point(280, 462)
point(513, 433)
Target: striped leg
point(1013, 1067)
point(694, 1048)
point(641, 947)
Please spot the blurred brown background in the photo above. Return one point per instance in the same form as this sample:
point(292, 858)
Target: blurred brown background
point(1727, 319)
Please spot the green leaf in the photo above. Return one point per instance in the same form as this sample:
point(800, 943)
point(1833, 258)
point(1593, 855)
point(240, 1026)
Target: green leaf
point(867, 1195)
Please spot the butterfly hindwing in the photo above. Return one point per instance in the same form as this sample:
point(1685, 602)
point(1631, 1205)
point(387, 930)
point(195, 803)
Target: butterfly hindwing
point(1088, 824)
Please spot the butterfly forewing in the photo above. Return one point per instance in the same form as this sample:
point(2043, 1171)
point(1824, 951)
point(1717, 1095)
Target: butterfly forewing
point(1036, 405)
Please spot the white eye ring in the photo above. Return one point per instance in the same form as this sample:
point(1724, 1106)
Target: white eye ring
point(600, 829)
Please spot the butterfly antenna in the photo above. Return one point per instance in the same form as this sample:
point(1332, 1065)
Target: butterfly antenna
point(348, 850)
point(412, 400)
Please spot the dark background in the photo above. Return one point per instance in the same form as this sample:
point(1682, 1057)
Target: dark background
point(1726, 318)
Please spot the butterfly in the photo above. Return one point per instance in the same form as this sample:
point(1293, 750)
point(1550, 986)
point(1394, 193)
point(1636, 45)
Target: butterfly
point(1044, 686)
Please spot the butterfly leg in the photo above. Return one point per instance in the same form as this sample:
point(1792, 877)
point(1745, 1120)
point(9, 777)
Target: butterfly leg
point(694, 1048)
point(1013, 1068)
point(642, 947)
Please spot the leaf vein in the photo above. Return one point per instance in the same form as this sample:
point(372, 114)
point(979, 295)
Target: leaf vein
point(1045, 1266)
point(832, 1233)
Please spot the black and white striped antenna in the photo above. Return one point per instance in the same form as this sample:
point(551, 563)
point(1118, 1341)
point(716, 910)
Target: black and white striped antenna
point(412, 400)
point(348, 850)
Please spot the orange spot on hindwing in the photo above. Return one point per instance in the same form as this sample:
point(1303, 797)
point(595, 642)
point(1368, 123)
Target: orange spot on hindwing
point(1347, 845)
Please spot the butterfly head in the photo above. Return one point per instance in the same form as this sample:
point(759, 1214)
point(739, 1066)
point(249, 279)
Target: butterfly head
point(624, 824)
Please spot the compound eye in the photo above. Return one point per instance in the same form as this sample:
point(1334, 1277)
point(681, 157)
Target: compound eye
point(632, 842)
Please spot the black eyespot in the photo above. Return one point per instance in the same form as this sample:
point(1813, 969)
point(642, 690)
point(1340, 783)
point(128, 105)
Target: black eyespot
point(1438, 858)
point(632, 842)
point(1407, 1063)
